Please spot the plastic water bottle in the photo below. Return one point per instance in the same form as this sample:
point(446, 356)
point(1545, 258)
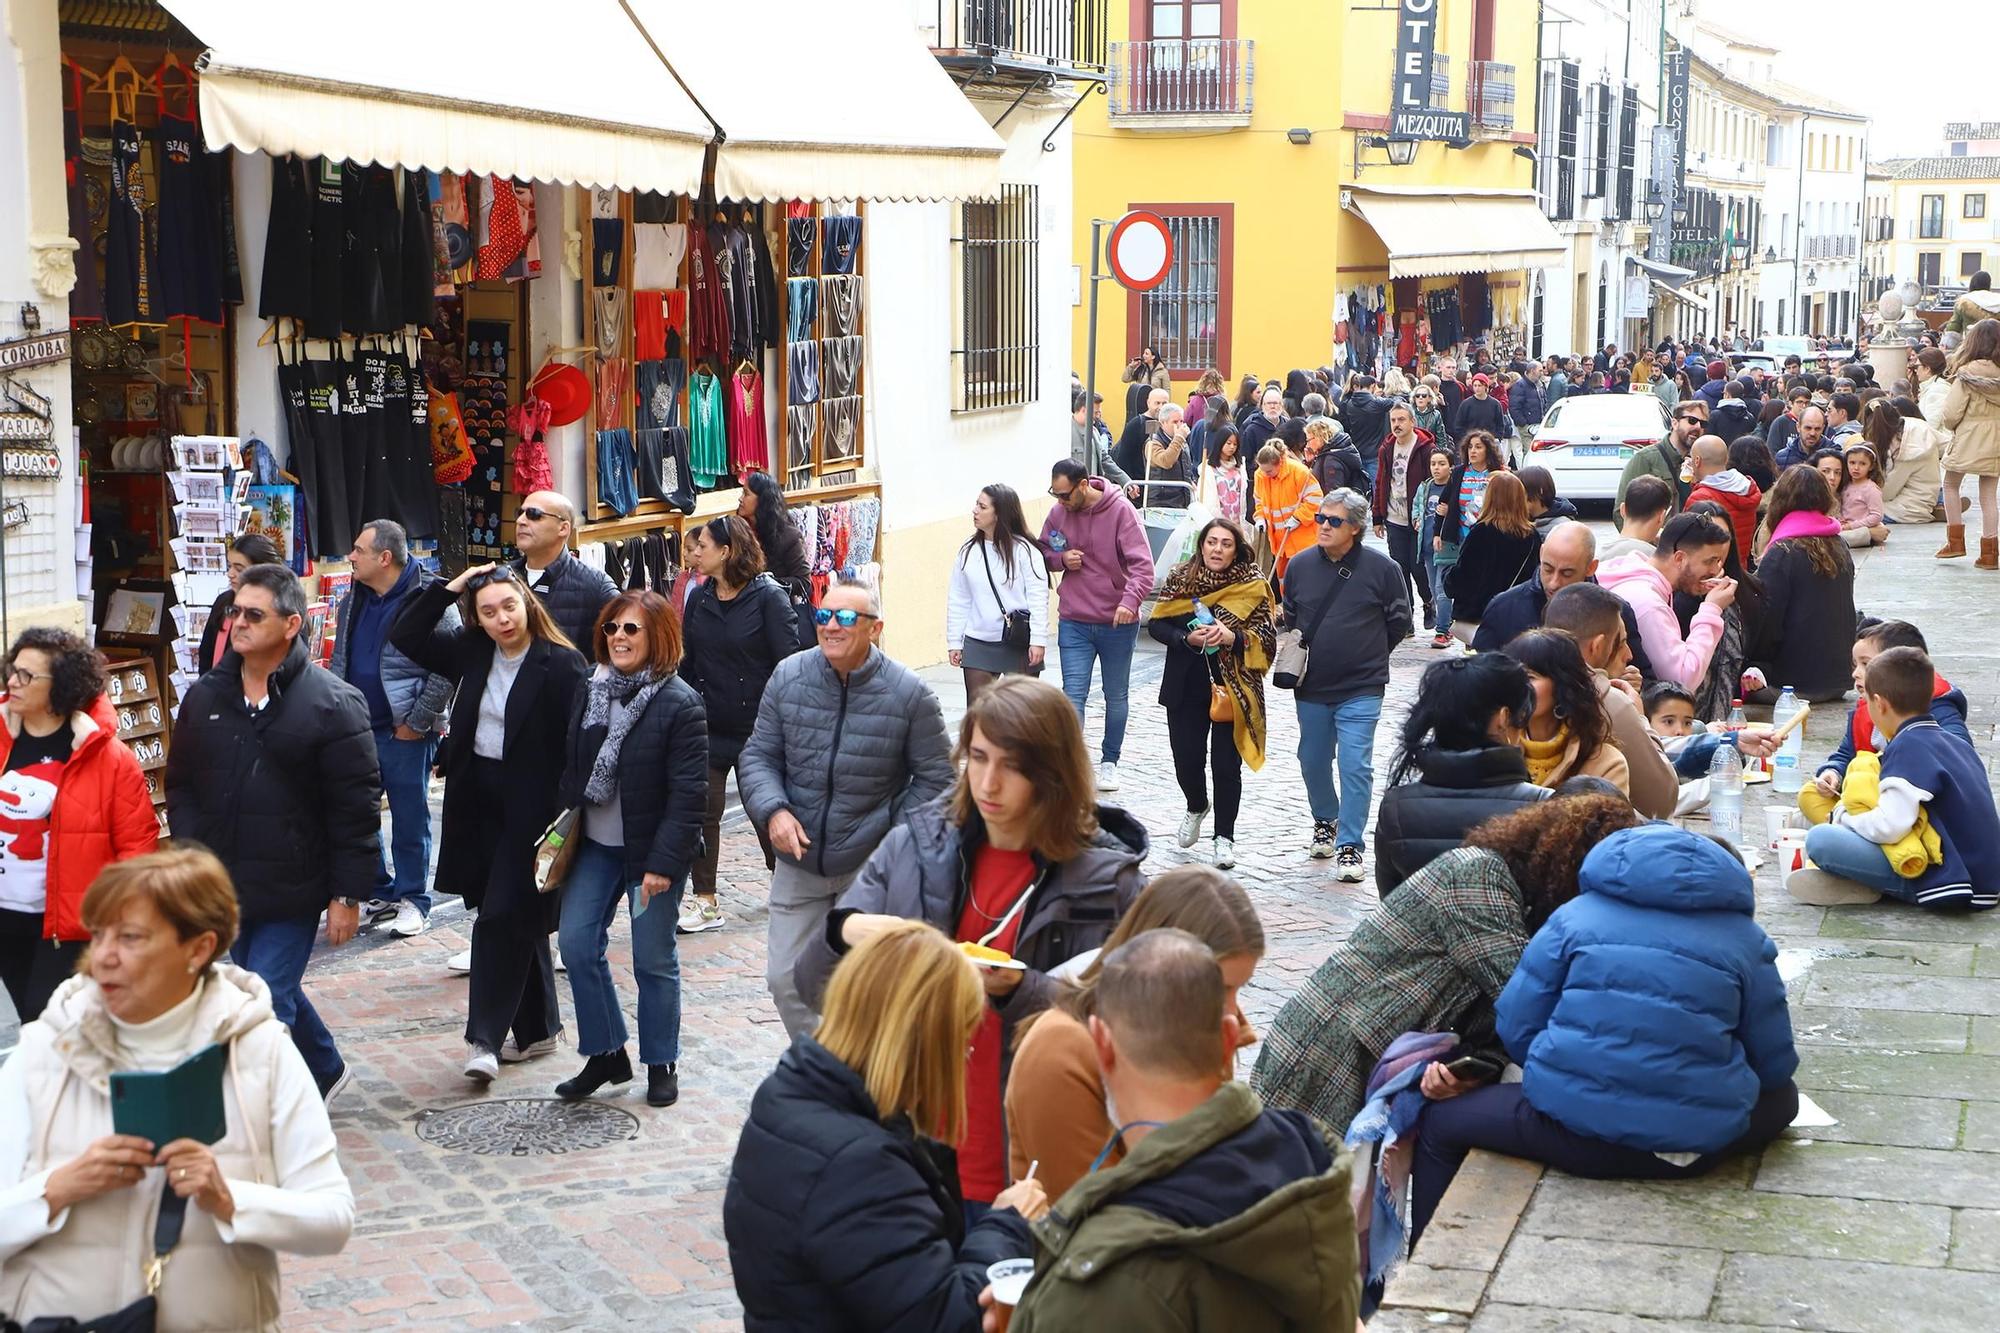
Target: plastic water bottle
point(1725, 795)
point(1736, 726)
point(1787, 769)
point(1203, 618)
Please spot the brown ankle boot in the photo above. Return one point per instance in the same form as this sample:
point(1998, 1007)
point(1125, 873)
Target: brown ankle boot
point(1989, 554)
point(1954, 542)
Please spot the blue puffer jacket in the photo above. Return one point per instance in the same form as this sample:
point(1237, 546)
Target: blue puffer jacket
point(1648, 1011)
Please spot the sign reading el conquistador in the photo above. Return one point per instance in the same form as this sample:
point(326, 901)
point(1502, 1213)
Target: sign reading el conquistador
point(1412, 116)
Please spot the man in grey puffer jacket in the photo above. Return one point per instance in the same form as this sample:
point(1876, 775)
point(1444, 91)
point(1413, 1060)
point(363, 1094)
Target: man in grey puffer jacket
point(847, 743)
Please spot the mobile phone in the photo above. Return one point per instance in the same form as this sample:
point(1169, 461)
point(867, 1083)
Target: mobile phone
point(1473, 1066)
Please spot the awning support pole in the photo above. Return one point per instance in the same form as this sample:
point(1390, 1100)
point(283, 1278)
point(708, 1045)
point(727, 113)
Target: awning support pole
point(720, 134)
point(1046, 81)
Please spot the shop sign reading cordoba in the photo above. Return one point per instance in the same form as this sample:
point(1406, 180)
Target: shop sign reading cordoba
point(34, 351)
point(1412, 116)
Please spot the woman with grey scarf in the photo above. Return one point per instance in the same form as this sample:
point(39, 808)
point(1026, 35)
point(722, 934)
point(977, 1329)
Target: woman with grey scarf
point(637, 767)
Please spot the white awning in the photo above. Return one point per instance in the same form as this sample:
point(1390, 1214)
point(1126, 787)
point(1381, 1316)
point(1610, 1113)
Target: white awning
point(513, 88)
point(1671, 274)
point(826, 99)
point(1434, 230)
point(1675, 294)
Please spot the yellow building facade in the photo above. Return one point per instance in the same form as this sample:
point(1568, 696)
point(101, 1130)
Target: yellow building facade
point(1258, 129)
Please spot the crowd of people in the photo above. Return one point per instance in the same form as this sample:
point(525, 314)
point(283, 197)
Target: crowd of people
point(1006, 1043)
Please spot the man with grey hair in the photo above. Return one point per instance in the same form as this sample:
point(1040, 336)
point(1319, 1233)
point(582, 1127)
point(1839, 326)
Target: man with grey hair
point(1172, 467)
point(1139, 434)
point(407, 706)
point(1352, 605)
point(1569, 555)
point(847, 743)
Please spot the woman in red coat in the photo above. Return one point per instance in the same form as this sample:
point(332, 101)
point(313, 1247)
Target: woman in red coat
point(72, 800)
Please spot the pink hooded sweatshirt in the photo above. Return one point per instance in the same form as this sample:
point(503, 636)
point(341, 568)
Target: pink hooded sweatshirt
point(1651, 597)
point(1117, 559)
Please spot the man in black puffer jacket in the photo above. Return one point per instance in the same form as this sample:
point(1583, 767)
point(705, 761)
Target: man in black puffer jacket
point(572, 590)
point(847, 743)
point(273, 769)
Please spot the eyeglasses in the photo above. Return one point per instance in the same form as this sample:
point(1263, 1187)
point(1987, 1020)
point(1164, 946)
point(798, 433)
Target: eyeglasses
point(1695, 417)
point(536, 515)
point(626, 627)
point(1330, 520)
point(21, 675)
point(1060, 496)
point(249, 615)
point(504, 574)
point(845, 618)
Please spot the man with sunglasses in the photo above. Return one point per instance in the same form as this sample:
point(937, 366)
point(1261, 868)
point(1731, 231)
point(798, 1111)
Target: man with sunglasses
point(273, 769)
point(847, 742)
point(1665, 459)
point(1354, 606)
point(573, 592)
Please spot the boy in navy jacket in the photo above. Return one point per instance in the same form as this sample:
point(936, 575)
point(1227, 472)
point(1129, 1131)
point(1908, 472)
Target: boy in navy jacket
point(1925, 770)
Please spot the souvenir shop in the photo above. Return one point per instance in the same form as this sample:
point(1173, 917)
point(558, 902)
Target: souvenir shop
point(1412, 321)
point(158, 290)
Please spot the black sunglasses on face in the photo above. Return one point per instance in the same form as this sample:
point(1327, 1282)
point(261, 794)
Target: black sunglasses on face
point(626, 627)
point(1062, 495)
point(249, 615)
point(536, 515)
point(1330, 520)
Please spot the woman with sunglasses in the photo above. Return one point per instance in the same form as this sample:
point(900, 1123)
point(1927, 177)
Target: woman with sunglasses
point(637, 767)
point(738, 626)
point(517, 678)
point(76, 798)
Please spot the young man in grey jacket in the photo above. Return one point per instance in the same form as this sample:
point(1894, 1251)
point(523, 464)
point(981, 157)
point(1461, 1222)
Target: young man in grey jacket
point(1354, 607)
point(846, 744)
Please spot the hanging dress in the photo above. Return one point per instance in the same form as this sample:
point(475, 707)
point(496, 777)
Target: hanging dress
point(708, 447)
point(127, 274)
point(188, 286)
point(749, 448)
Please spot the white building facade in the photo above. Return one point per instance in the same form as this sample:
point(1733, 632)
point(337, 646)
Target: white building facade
point(1815, 202)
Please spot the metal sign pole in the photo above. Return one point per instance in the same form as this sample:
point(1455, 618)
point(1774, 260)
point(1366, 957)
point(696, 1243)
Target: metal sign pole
point(1090, 369)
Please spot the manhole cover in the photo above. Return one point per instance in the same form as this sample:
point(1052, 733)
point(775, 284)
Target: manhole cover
point(527, 1127)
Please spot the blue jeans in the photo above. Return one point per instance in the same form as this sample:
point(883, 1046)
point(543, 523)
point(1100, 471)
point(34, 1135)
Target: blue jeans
point(406, 777)
point(596, 886)
point(1843, 852)
point(1344, 732)
point(1082, 642)
point(1440, 599)
point(278, 952)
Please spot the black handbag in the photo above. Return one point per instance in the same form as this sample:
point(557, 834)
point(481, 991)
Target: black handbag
point(1014, 631)
point(142, 1315)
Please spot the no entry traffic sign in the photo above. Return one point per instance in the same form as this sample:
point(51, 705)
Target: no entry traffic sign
point(1141, 250)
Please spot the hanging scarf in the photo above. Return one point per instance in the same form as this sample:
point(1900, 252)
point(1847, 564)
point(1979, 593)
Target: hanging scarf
point(635, 692)
point(1241, 602)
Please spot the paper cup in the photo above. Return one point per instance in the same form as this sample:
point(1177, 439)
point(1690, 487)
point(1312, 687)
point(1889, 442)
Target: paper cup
point(1776, 821)
point(1792, 851)
point(1009, 1280)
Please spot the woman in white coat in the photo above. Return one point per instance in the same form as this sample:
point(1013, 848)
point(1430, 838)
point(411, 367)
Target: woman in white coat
point(78, 1202)
point(997, 579)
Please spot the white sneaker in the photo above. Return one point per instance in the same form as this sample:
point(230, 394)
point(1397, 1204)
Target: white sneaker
point(482, 1065)
point(561, 966)
point(511, 1054)
point(1190, 830)
point(699, 914)
point(1107, 777)
point(1225, 853)
point(410, 920)
point(377, 909)
point(339, 1085)
point(462, 962)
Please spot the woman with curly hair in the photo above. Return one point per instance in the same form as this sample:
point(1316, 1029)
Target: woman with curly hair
point(1434, 958)
point(1214, 614)
point(1569, 734)
point(77, 800)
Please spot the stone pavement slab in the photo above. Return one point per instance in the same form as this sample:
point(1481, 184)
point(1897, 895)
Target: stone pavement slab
point(1885, 1220)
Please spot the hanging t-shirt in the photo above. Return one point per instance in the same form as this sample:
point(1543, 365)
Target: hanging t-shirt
point(999, 878)
point(27, 800)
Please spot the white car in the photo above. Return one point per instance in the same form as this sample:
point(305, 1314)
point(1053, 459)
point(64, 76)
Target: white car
point(1585, 440)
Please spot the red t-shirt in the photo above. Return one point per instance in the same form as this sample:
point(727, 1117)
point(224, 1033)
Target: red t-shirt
point(998, 880)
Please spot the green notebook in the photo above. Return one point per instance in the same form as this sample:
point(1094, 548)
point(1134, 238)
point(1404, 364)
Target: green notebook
point(184, 1102)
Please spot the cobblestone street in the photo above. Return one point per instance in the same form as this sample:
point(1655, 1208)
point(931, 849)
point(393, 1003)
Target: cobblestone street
point(615, 1219)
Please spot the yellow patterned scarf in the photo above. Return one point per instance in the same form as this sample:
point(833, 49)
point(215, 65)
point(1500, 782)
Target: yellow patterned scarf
point(1241, 601)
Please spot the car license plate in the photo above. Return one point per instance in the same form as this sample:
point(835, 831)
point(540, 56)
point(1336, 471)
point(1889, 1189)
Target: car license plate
point(1598, 450)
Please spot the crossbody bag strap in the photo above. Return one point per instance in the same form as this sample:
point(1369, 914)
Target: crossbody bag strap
point(1340, 584)
point(166, 1235)
point(986, 562)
